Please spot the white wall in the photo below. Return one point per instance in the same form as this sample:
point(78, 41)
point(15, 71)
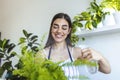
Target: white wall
point(35, 16)
point(109, 46)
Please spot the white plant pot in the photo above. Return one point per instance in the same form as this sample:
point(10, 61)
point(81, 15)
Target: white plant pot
point(117, 17)
point(109, 20)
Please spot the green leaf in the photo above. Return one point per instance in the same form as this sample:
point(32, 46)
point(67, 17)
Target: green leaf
point(35, 48)
point(1, 55)
point(22, 40)
point(88, 25)
point(74, 39)
point(94, 5)
point(11, 46)
point(25, 33)
point(7, 65)
point(0, 43)
point(94, 23)
point(24, 49)
point(83, 38)
point(74, 30)
point(30, 44)
point(13, 54)
point(35, 40)
point(1, 71)
point(29, 34)
point(5, 43)
point(80, 25)
point(86, 15)
point(34, 37)
point(1, 50)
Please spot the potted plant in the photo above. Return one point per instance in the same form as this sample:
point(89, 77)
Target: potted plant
point(89, 19)
point(92, 16)
point(115, 5)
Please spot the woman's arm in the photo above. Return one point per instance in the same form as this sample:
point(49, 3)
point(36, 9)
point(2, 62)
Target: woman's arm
point(104, 65)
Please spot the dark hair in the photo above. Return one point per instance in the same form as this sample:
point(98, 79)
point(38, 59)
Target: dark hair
point(50, 40)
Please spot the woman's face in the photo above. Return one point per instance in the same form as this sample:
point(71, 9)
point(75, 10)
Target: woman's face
point(60, 30)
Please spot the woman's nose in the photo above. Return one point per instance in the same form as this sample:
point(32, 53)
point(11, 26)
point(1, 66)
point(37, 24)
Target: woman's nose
point(59, 30)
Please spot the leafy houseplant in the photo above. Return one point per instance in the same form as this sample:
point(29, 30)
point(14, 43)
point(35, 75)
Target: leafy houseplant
point(29, 41)
point(27, 68)
point(6, 54)
point(36, 68)
point(115, 4)
point(91, 18)
point(32, 66)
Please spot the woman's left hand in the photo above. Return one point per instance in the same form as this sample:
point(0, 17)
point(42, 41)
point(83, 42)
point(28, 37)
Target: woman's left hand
point(89, 53)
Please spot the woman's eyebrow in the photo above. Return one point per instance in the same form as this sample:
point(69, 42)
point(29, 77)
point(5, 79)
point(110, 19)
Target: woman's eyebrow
point(64, 25)
point(56, 24)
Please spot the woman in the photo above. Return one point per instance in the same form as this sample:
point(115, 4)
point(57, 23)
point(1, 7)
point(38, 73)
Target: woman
point(59, 47)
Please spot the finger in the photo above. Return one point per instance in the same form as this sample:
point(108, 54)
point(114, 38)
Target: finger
point(85, 50)
point(89, 57)
point(85, 54)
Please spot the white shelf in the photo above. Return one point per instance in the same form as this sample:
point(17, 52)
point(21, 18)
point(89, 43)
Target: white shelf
point(100, 31)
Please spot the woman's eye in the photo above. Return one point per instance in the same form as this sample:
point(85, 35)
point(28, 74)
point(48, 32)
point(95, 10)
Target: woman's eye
point(55, 27)
point(64, 28)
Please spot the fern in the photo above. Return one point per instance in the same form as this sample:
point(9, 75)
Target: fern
point(42, 69)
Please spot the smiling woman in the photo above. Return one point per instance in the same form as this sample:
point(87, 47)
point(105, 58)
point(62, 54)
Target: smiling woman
point(59, 48)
